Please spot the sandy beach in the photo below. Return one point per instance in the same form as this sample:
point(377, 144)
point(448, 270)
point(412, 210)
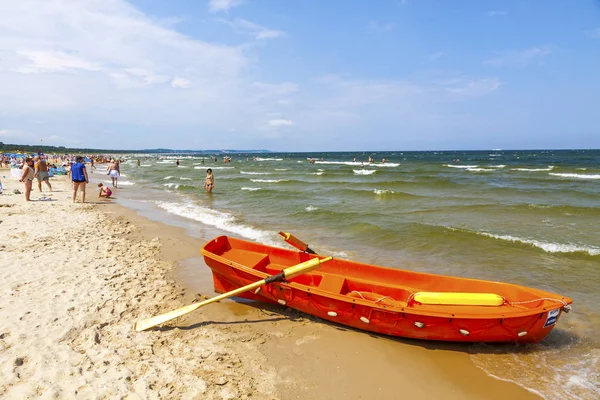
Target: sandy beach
point(74, 278)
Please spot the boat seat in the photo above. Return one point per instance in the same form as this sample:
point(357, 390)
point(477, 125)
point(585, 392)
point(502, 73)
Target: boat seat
point(247, 258)
point(332, 283)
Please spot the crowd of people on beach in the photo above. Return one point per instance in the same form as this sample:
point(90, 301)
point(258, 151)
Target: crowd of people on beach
point(27, 168)
point(42, 167)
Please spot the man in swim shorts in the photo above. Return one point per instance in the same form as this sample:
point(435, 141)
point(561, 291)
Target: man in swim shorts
point(41, 173)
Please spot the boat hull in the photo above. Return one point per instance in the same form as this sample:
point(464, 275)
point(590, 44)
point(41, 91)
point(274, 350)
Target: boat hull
point(364, 311)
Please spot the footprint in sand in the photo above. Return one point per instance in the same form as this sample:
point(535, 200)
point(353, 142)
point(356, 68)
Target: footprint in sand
point(306, 339)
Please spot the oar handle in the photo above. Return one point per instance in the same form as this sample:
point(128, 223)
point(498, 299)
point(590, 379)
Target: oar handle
point(296, 270)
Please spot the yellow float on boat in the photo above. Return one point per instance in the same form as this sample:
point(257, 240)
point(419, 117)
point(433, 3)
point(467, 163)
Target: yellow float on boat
point(459, 299)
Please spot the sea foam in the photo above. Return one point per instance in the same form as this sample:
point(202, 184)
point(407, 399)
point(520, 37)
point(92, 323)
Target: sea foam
point(268, 180)
point(364, 171)
point(221, 220)
point(550, 168)
point(207, 167)
point(380, 192)
point(461, 166)
point(480, 169)
point(576, 176)
point(546, 246)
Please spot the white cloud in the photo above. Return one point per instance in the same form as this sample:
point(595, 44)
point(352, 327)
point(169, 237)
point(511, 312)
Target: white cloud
point(519, 59)
point(107, 69)
point(96, 58)
point(136, 77)
point(475, 87)
point(181, 83)
point(497, 13)
point(223, 5)
point(280, 123)
point(53, 61)
point(250, 28)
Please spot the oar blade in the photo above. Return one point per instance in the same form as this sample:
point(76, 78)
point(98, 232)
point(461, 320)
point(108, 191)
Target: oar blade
point(294, 241)
point(161, 319)
point(287, 273)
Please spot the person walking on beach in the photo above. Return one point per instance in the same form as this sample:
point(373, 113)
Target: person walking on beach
point(41, 173)
point(27, 177)
point(114, 172)
point(79, 177)
point(210, 181)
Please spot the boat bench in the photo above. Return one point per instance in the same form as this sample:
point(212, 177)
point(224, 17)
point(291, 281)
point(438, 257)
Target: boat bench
point(338, 284)
point(247, 258)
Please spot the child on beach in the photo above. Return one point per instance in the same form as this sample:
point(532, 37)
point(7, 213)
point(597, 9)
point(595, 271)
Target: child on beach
point(104, 191)
point(27, 177)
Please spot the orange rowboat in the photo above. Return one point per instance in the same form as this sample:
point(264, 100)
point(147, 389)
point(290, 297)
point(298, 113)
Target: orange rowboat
point(387, 300)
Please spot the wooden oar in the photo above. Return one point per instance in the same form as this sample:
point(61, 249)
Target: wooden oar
point(287, 273)
point(297, 243)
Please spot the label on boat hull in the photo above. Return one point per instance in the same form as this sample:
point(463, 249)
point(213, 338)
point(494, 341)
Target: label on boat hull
point(552, 317)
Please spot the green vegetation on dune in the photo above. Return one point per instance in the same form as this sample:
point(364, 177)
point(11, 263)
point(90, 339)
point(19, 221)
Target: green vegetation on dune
point(24, 148)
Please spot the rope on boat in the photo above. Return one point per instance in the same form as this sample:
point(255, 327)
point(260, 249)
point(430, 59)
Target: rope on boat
point(376, 301)
point(566, 307)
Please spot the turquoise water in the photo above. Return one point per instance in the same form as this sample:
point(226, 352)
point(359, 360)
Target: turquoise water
point(526, 217)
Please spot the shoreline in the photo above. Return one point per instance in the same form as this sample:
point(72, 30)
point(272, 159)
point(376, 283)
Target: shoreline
point(135, 268)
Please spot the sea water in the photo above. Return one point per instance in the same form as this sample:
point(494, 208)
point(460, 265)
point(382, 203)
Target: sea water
point(525, 217)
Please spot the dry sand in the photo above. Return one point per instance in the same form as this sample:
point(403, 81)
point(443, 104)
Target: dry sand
point(74, 278)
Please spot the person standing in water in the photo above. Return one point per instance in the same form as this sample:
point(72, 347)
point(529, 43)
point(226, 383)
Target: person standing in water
point(177, 162)
point(210, 181)
point(138, 163)
point(114, 172)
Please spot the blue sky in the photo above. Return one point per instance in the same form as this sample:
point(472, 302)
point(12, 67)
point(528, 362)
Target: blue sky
point(301, 75)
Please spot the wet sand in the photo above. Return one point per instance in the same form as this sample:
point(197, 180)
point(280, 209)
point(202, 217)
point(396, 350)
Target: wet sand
point(74, 279)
